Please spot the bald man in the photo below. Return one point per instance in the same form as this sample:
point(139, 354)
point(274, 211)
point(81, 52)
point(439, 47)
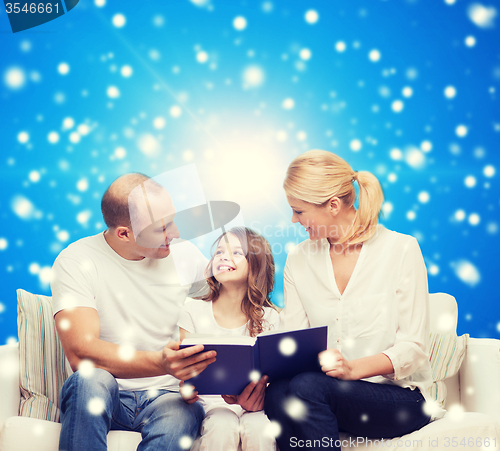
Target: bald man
point(116, 299)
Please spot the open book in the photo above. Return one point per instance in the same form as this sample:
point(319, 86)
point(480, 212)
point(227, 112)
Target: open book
point(240, 360)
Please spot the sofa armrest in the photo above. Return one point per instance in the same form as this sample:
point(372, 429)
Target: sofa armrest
point(9, 382)
point(480, 377)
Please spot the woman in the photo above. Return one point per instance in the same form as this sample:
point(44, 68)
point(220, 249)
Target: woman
point(369, 285)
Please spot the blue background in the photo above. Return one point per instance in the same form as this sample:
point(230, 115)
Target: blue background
point(206, 90)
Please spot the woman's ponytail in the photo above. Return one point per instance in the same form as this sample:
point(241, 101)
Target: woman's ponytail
point(369, 205)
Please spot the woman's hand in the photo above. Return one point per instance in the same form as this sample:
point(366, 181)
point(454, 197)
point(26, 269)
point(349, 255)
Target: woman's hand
point(252, 397)
point(334, 364)
point(188, 392)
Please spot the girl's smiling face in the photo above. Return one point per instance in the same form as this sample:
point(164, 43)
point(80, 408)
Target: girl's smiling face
point(229, 262)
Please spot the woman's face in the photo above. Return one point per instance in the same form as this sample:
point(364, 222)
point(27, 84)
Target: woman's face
point(229, 263)
point(318, 221)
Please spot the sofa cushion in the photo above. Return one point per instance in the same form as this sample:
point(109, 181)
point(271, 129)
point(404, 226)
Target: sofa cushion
point(481, 363)
point(446, 353)
point(456, 430)
point(22, 434)
point(9, 382)
point(42, 363)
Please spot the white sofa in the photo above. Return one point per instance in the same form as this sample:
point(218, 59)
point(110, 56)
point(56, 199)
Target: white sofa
point(473, 403)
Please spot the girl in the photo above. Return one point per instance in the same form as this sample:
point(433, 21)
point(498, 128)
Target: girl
point(369, 285)
point(241, 277)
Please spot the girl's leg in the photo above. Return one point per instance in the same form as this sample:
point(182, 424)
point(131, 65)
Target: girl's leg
point(254, 432)
point(361, 408)
point(220, 430)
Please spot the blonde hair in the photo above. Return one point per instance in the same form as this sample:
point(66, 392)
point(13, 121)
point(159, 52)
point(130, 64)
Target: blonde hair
point(317, 175)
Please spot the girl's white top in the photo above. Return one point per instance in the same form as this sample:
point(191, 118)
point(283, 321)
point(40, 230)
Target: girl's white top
point(198, 317)
point(383, 309)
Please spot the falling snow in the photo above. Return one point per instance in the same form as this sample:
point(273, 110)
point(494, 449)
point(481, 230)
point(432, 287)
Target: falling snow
point(15, 78)
point(239, 23)
point(311, 16)
point(295, 408)
point(96, 406)
point(287, 346)
point(482, 16)
point(467, 272)
point(119, 20)
point(63, 68)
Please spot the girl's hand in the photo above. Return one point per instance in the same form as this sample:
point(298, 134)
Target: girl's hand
point(334, 364)
point(252, 397)
point(187, 392)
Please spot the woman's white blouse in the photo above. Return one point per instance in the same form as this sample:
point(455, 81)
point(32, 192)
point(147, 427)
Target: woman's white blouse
point(384, 308)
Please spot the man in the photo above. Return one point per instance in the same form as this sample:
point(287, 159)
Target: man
point(116, 298)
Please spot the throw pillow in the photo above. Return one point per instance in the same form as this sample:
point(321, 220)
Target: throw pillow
point(42, 363)
point(446, 353)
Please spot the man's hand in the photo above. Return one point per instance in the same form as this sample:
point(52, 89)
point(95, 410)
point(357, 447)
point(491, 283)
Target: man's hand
point(334, 364)
point(252, 397)
point(185, 363)
point(188, 392)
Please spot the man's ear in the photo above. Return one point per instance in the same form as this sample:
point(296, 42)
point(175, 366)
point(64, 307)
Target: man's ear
point(123, 233)
point(334, 206)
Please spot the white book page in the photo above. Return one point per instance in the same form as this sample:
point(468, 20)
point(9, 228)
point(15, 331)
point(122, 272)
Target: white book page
point(204, 339)
point(283, 331)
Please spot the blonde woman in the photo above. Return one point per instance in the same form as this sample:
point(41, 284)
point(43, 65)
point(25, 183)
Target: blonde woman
point(369, 285)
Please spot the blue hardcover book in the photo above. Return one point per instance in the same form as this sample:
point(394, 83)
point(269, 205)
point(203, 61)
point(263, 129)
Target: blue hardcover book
point(279, 355)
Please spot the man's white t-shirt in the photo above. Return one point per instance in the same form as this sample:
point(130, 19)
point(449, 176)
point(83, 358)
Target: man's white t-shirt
point(138, 302)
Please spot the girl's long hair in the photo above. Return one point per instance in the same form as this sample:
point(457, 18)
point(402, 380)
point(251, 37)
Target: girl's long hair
point(260, 280)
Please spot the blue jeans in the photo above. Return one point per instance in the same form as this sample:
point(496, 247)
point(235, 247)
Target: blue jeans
point(321, 406)
point(92, 406)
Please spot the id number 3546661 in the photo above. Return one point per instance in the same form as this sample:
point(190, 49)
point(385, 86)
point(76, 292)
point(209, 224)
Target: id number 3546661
point(32, 8)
